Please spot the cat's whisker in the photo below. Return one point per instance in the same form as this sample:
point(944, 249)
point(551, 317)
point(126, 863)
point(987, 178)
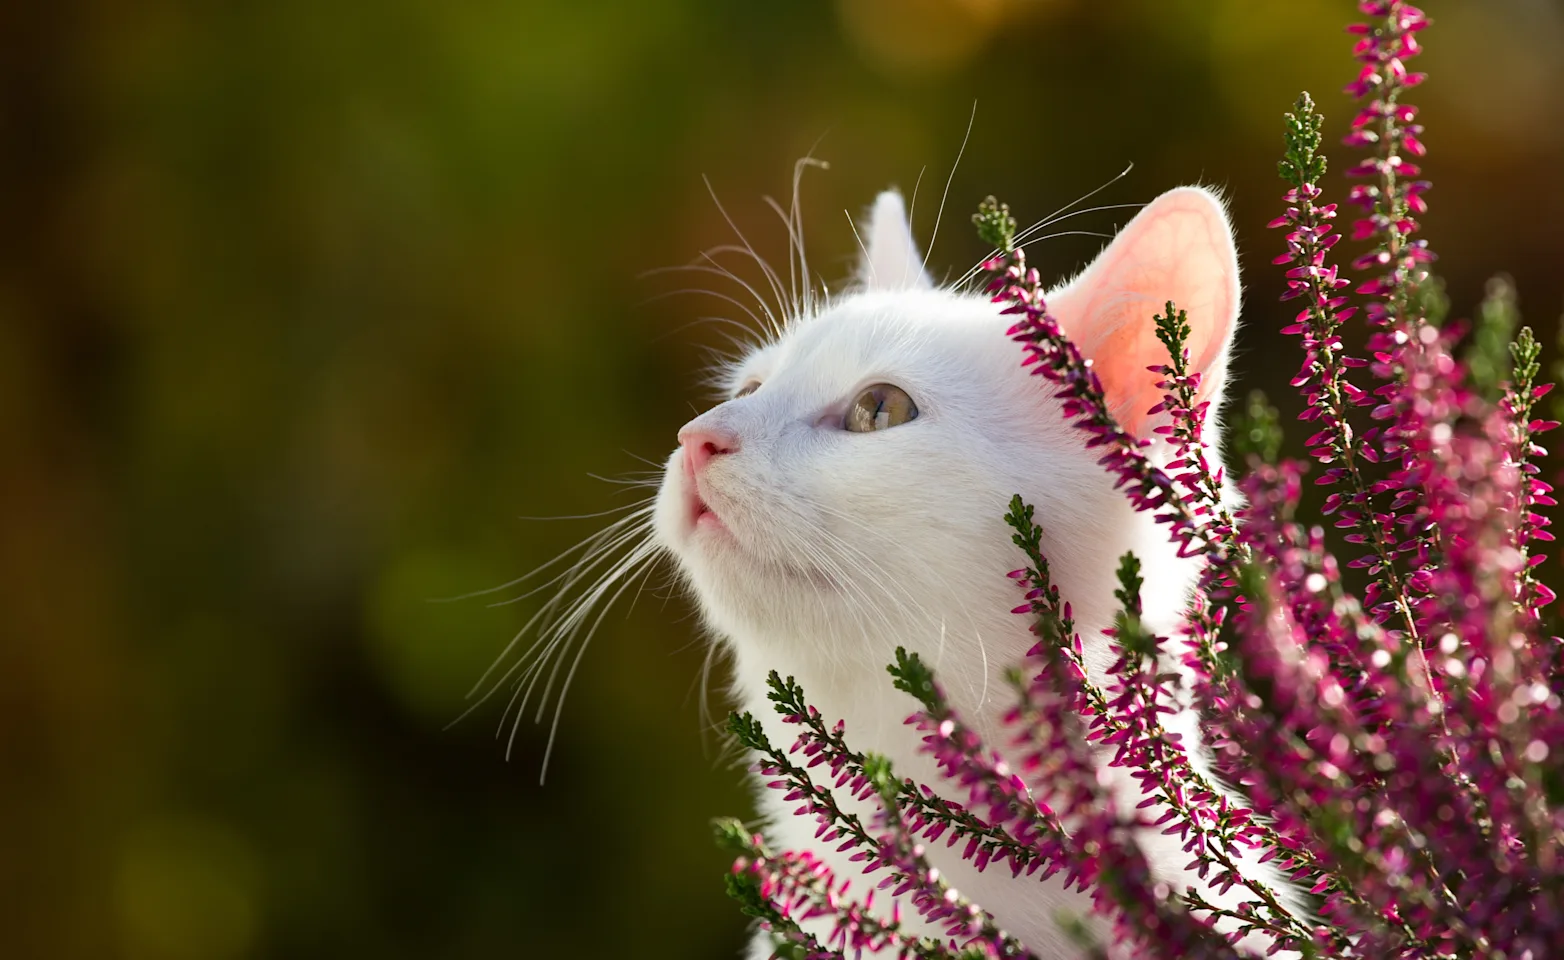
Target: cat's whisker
point(866, 601)
point(776, 328)
point(912, 205)
point(601, 513)
point(699, 321)
point(871, 569)
point(1068, 233)
point(796, 228)
point(586, 640)
point(703, 706)
point(575, 616)
point(657, 466)
point(559, 634)
point(867, 260)
point(774, 281)
point(599, 546)
point(940, 214)
point(814, 556)
point(721, 365)
point(972, 274)
point(643, 478)
point(982, 700)
point(1094, 191)
point(765, 321)
point(761, 325)
point(887, 644)
point(646, 502)
point(800, 289)
point(1047, 222)
point(977, 268)
point(723, 271)
point(1054, 217)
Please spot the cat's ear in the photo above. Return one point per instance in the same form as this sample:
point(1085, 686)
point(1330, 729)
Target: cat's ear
point(1179, 248)
point(890, 255)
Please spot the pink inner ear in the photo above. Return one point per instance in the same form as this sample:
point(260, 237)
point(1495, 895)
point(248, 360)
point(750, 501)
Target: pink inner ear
point(1178, 248)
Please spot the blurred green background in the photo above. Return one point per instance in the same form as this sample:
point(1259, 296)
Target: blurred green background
point(304, 304)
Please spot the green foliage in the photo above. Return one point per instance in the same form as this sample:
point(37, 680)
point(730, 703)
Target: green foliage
point(1173, 331)
point(745, 889)
point(995, 225)
point(914, 678)
point(1257, 432)
point(1052, 625)
point(1489, 355)
point(1130, 582)
point(747, 730)
point(877, 769)
point(1028, 535)
point(732, 836)
point(1302, 162)
point(1133, 637)
point(1431, 300)
point(1523, 358)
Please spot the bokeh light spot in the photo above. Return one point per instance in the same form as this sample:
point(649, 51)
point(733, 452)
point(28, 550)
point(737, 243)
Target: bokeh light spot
point(186, 888)
point(919, 37)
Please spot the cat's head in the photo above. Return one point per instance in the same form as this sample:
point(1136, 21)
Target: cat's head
point(849, 493)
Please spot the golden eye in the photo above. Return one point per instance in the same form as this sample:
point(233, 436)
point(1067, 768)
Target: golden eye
point(880, 407)
point(747, 389)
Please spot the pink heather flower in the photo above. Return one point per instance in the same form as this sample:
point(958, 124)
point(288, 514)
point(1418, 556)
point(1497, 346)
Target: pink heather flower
point(1400, 757)
point(1385, 126)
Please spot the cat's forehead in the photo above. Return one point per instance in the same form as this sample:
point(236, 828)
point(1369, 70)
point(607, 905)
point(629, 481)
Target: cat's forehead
point(873, 331)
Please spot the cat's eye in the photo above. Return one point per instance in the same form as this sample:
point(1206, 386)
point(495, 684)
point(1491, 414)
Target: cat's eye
point(747, 389)
point(880, 407)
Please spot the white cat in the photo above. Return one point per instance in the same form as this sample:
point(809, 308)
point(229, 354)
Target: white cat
point(849, 498)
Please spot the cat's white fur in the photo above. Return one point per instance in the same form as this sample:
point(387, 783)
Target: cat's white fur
point(831, 548)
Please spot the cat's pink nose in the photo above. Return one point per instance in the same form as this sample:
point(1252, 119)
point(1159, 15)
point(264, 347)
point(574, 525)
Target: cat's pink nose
point(702, 443)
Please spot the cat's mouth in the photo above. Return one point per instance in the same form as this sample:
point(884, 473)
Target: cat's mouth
point(701, 513)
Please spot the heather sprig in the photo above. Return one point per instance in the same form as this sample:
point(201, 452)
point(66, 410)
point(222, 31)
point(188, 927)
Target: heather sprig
point(1100, 851)
point(1390, 200)
point(1191, 505)
point(1401, 758)
point(1318, 758)
point(1518, 402)
point(892, 847)
point(780, 890)
point(1055, 357)
point(1185, 431)
point(1215, 829)
point(1127, 718)
point(1328, 393)
point(1331, 695)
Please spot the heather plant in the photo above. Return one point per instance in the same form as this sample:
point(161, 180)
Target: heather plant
point(1386, 728)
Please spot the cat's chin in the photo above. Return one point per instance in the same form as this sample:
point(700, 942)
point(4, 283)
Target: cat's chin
point(718, 564)
point(740, 592)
